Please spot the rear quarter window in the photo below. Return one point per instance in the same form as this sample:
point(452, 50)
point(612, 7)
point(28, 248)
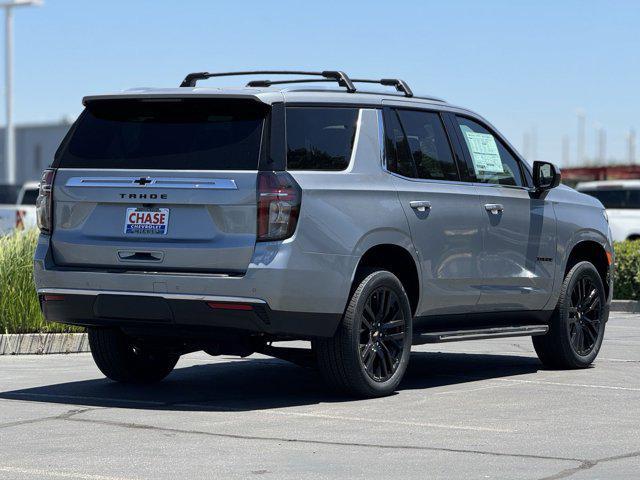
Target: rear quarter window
point(320, 138)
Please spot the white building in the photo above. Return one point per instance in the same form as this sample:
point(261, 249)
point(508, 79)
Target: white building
point(36, 144)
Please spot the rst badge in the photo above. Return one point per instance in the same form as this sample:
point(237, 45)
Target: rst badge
point(146, 221)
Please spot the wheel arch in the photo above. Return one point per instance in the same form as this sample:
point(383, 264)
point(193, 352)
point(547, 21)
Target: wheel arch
point(397, 259)
point(592, 251)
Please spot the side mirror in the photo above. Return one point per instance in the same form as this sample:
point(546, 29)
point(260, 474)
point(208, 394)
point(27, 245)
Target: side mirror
point(545, 176)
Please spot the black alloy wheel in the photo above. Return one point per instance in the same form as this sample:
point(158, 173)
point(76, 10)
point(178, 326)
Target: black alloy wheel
point(577, 325)
point(584, 316)
point(382, 334)
point(369, 352)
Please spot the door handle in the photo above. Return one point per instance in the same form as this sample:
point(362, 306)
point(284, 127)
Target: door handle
point(494, 208)
point(420, 205)
point(132, 256)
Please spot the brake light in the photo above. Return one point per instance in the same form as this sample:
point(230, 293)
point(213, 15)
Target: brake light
point(279, 198)
point(44, 202)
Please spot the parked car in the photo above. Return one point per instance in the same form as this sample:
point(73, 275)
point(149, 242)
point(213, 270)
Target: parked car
point(22, 214)
point(621, 198)
point(224, 219)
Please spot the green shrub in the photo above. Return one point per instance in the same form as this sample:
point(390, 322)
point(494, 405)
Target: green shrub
point(627, 279)
point(19, 309)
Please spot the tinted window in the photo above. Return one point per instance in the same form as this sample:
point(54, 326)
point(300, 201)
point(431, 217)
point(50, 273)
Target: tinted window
point(30, 197)
point(320, 138)
point(428, 145)
point(397, 148)
point(491, 160)
point(180, 134)
point(616, 198)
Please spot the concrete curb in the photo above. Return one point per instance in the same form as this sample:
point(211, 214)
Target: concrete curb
point(628, 306)
point(42, 343)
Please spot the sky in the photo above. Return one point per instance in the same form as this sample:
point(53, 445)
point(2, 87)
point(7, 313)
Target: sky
point(524, 65)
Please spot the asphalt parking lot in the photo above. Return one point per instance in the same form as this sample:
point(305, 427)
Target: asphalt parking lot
point(482, 409)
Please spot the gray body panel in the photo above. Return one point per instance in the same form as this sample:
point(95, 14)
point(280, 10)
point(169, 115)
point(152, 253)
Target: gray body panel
point(448, 239)
point(211, 226)
point(467, 260)
point(519, 244)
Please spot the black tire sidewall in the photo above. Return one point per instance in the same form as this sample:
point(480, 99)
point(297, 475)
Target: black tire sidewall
point(369, 284)
point(111, 351)
point(579, 271)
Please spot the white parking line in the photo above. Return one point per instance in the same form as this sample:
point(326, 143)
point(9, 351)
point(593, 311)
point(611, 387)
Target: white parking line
point(582, 385)
point(467, 390)
point(56, 474)
point(367, 420)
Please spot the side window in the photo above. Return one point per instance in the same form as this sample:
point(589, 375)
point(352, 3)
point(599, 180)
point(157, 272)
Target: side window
point(491, 161)
point(320, 138)
point(396, 147)
point(428, 145)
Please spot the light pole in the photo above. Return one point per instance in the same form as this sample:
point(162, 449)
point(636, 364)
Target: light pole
point(581, 138)
point(9, 142)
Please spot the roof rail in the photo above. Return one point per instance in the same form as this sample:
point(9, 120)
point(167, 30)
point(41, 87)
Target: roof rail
point(400, 85)
point(329, 75)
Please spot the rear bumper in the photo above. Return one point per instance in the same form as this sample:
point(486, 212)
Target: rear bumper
point(152, 314)
point(301, 294)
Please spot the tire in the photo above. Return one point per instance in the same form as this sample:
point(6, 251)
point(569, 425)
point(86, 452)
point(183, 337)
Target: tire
point(117, 358)
point(368, 355)
point(577, 326)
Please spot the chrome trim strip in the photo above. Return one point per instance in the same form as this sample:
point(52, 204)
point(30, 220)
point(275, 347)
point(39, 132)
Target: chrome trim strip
point(498, 332)
point(162, 182)
point(507, 333)
point(356, 136)
point(168, 296)
point(381, 139)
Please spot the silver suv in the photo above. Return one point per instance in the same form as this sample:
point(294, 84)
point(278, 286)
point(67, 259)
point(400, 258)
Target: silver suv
point(184, 219)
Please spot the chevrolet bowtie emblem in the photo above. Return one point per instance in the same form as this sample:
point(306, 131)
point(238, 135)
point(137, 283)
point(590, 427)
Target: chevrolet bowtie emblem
point(143, 181)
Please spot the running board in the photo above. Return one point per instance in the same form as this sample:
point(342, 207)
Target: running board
point(484, 333)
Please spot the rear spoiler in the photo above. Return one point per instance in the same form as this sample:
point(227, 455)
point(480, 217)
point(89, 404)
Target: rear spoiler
point(266, 97)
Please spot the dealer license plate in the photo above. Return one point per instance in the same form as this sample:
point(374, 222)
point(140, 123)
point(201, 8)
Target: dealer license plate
point(145, 221)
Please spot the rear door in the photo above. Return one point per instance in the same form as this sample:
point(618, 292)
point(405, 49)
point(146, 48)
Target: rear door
point(518, 227)
point(443, 211)
point(162, 184)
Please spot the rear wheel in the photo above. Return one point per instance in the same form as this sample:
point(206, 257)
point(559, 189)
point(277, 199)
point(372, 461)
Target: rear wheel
point(120, 359)
point(577, 326)
point(369, 353)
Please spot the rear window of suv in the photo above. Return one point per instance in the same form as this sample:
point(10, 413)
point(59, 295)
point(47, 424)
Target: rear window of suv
point(185, 134)
point(320, 138)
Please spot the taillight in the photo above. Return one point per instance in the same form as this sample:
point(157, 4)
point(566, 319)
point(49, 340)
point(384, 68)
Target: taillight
point(44, 202)
point(279, 199)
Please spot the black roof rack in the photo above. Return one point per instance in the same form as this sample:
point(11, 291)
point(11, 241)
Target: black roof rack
point(328, 76)
point(400, 85)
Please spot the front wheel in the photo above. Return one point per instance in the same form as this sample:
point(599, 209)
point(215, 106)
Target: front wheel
point(120, 359)
point(577, 326)
point(369, 353)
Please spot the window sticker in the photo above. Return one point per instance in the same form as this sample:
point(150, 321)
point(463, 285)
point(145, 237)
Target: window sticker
point(484, 153)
